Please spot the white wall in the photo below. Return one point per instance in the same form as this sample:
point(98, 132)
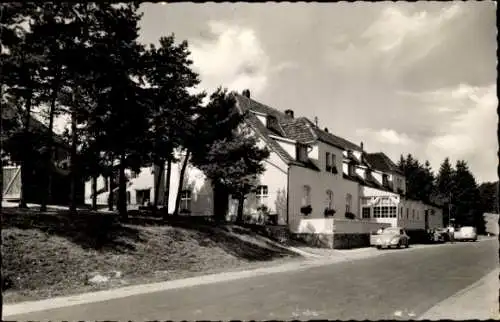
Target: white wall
point(275, 177)
point(313, 152)
point(320, 182)
point(347, 226)
point(418, 221)
point(289, 147)
point(314, 226)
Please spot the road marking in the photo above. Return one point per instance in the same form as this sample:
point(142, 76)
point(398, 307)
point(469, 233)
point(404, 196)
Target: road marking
point(398, 313)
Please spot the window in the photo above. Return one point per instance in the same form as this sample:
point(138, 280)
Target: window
point(261, 195)
point(401, 213)
point(334, 161)
point(306, 197)
point(185, 200)
point(328, 161)
point(329, 199)
point(365, 212)
point(413, 214)
point(385, 179)
point(348, 202)
point(407, 213)
point(392, 212)
point(377, 212)
point(385, 212)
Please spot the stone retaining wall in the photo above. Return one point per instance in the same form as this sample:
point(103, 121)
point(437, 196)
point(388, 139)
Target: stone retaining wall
point(316, 240)
point(347, 241)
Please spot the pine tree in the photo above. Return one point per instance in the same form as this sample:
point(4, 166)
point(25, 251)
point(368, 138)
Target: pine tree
point(445, 186)
point(466, 198)
point(173, 108)
point(489, 197)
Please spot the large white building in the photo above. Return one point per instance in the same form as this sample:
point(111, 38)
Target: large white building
point(307, 166)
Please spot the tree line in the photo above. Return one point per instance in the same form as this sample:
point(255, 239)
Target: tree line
point(455, 188)
point(130, 105)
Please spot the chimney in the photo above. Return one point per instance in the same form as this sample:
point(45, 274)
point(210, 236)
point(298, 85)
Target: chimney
point(326, 130)
point(289, 113)
point(316, 121)
point(246, 92)
point(361, 145)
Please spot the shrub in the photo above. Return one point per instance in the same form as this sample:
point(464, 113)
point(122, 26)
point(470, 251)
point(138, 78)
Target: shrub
point(306, 210)
point(329, 212)
point(350, 215)
point(263, 209)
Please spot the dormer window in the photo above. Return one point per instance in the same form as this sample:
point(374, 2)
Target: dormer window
point(271, 121)
point(301, 151)
point(385, 180)
point(350, 169)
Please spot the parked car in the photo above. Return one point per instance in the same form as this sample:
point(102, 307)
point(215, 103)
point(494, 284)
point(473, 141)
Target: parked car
point(465, 233)
point(390, 237)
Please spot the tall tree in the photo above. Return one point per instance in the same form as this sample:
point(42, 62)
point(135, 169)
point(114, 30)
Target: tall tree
point(21, 58)
point(227, 152)
point(169, 77)
point(466, 197)
point(489, 197)
point(445, 187)
point(121, 114)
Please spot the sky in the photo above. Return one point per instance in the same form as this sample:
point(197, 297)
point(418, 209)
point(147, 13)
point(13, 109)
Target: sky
point(400, 77)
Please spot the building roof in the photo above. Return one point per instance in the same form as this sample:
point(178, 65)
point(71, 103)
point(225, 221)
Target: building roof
point(246, 104)
point(382, 162)
point(332, 139)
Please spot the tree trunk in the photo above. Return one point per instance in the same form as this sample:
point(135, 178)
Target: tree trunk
point(48, 175)
point(122, 189)
point(241, 202)
point(160, 165)
point(167, 188)
point(25, 162)
point(74, 177)
point(221, 196)
point(94, 192)
point(181, 181)
point(111, 196)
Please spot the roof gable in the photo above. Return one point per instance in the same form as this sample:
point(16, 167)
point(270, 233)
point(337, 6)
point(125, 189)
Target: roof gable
point(382, 162)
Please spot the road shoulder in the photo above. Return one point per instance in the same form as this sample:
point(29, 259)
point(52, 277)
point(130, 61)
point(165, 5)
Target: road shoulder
point(477, 301)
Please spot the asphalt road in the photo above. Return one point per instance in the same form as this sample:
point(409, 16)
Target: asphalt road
point(396, 285)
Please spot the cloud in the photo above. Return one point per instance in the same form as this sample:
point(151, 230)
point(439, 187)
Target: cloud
point(385, 136)
point(233, 57)
point(469, 130)
point(397, 38)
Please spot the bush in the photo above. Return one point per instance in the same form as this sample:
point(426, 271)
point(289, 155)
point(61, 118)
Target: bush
point(263, 209)
point(329, 212)
point(350, 215)
point(306, 210)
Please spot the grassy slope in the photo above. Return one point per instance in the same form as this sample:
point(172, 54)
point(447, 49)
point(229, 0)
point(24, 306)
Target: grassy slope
point(51, 254)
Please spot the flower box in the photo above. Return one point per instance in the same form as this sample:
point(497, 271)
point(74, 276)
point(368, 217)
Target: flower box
point(329, 212)
point(350, 215)
point(306, 210)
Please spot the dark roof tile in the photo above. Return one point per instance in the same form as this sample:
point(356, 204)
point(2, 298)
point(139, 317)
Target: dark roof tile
point(382, 162)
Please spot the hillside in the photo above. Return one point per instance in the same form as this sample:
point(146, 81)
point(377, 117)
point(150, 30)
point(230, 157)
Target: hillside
point(53, 254)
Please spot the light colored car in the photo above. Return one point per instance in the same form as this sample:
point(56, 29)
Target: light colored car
point(390, 237)
point(465, 233)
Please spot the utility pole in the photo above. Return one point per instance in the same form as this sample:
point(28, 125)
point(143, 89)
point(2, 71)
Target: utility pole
point(449, 210)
